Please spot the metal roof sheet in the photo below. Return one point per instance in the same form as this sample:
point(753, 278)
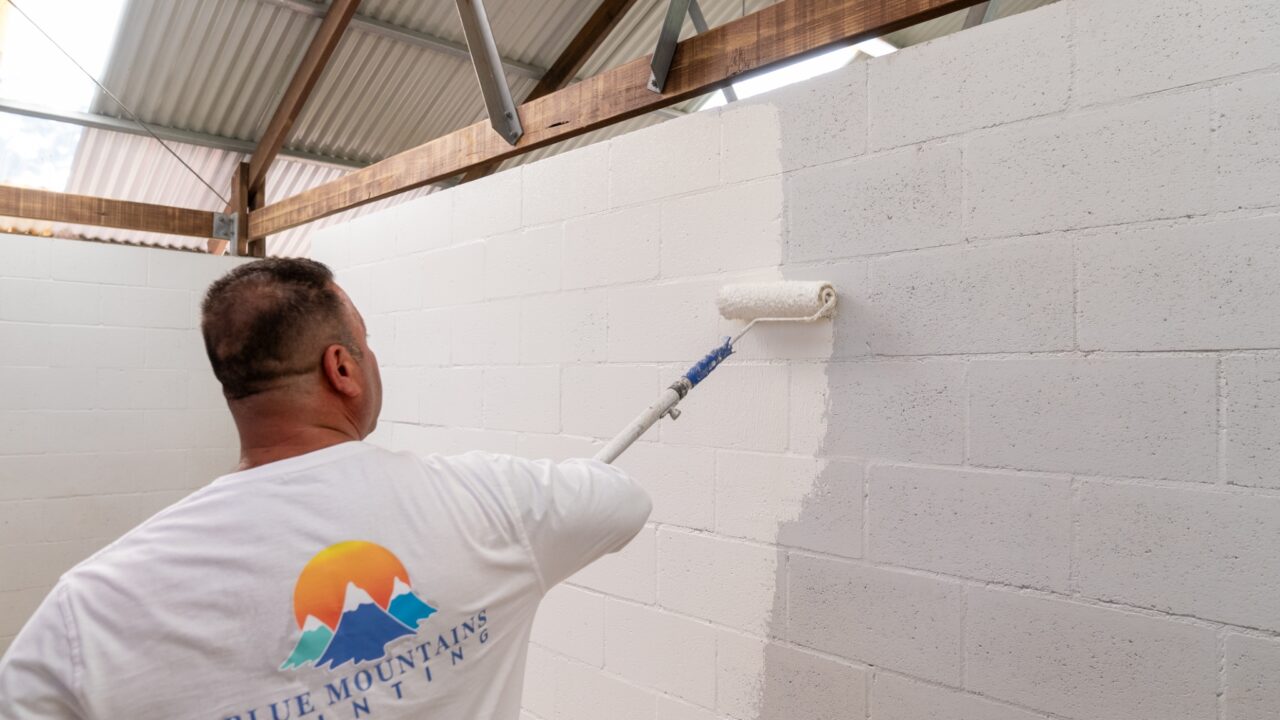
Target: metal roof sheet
point(220, 66)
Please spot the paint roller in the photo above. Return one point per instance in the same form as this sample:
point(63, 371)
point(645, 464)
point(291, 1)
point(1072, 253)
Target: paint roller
point(769, 302)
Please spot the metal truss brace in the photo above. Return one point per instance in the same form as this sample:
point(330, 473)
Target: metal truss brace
point(493, 82)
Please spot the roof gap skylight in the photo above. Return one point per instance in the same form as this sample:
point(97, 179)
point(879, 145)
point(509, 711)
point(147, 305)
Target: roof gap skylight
point(802, 70)
point(39, 153)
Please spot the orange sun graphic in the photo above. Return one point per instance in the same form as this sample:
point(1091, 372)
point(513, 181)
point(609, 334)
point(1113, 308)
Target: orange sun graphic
point(322, 585)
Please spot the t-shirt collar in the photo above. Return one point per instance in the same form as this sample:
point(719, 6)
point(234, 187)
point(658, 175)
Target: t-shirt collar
point(297, 462)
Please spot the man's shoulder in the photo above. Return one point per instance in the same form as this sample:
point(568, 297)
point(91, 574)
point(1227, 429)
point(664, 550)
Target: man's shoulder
point(480, 464)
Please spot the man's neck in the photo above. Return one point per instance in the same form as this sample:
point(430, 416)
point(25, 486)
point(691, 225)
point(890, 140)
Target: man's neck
point(273, 429)
point(255, 451)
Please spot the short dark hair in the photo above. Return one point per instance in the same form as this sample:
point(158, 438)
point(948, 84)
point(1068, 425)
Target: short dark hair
point(271, 319)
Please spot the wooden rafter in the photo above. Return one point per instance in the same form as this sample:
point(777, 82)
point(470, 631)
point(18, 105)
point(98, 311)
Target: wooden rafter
point(786, 31)
point(580, 48)
point(575, 55)
point(304, 81)
point(103, 212)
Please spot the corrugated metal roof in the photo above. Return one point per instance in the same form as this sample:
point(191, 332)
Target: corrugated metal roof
point(220, 67)
point(380, 97)
point(216, 66)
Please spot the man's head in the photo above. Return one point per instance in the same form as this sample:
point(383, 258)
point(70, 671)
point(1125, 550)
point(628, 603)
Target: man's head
point(280, 331)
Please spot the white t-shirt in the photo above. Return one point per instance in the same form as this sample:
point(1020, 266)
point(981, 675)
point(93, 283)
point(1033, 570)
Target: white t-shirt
point(350, 582)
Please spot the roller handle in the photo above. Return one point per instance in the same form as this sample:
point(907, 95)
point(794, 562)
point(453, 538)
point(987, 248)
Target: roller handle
point(665, 404)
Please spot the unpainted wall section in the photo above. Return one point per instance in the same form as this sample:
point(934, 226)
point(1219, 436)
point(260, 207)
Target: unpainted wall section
point(108, 408)
point(1031, 470)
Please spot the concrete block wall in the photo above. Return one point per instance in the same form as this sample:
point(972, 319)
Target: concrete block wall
point(108, 409)
point(1029, 472)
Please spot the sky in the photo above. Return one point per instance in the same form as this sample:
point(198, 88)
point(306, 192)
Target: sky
point(39, 153)
point(801, 71)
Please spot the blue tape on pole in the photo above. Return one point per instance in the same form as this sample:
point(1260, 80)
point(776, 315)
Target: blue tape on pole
point(703, 367)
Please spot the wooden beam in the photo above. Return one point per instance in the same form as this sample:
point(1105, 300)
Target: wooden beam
point(304, 80)
point(246, 198)
point(575, 55)
point(783, 32)
point(103, 212)
point(240, 206)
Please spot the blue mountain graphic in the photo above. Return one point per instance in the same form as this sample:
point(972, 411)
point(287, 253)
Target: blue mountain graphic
point(407, 607)
point(363, 631)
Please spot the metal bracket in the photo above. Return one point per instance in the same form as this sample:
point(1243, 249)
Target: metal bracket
point(493, 82)
point(978, 14)
point(668, 38)
point(700, 25)
point(226, 227)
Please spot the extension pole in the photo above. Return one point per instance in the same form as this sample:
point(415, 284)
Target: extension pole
point(666, 403)
point(802, 302)
point(645, 420)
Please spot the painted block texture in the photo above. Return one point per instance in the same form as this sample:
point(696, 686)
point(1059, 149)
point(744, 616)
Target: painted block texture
point(108, 408)
point(734, 227)
point(1011, 528)
point(802, 125)
point(894, 697)
point(905, 622)
point(902, 200)
point(687, 671)
point(1145, 160)
point(1251, 414)
point(1249, 690)
point(571, 622)
point(1143, 417)
point(968, 91)
point(1190, 287)
point(905, 410)
point(1248, 141)
point(1086, 662)
point(798, 684)
point(728, 581)
point(1191, 552)
point(1029, 471)
point(1234, 37)
point(794, 501)
point(1003, 297)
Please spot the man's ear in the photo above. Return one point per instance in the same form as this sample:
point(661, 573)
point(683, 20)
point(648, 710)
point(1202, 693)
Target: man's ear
point(341, 370)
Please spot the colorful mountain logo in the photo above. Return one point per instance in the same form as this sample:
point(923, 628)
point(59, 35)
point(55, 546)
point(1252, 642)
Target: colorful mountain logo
point(352, 599)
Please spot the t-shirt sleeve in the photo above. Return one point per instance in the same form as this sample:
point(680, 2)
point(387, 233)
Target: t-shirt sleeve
point(38, 673)
point(572, 512)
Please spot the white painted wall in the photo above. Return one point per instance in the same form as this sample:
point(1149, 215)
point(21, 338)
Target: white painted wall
point(1032, 470)
point(108, 408)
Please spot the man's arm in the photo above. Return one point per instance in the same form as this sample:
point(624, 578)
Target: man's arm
point(572, 512)
point(38, 674)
